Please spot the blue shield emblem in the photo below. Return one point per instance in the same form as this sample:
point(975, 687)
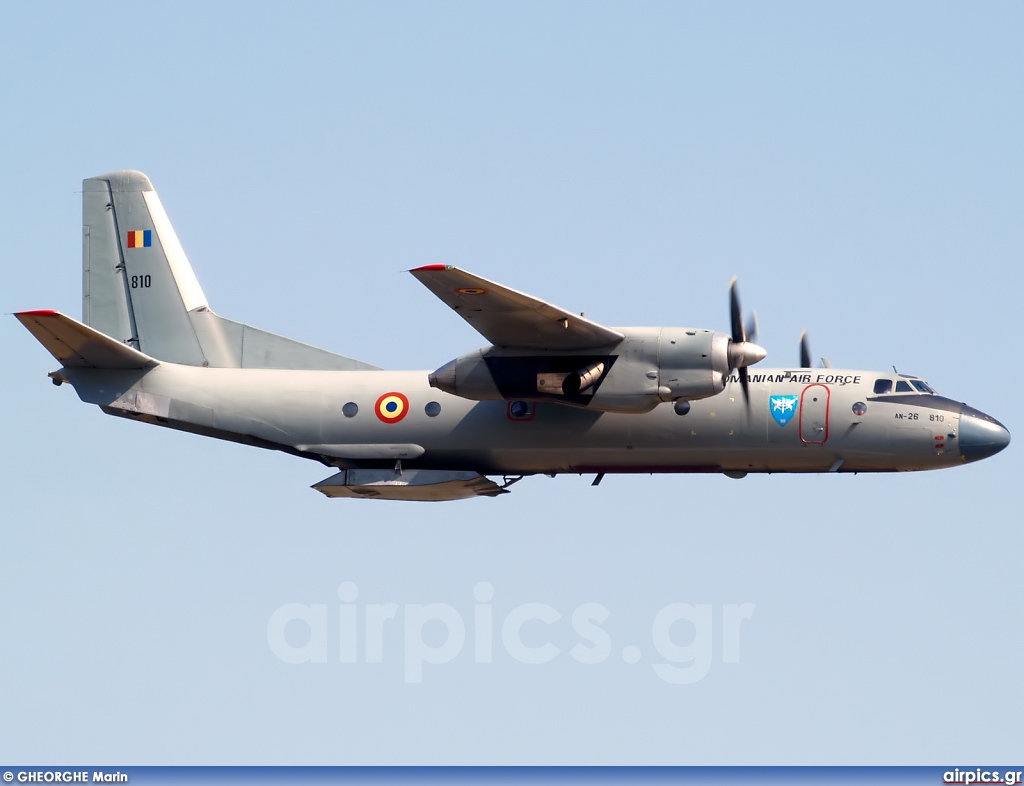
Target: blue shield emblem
point(783, 408)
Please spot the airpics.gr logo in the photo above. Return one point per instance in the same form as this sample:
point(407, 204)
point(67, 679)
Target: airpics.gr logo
point(782, 408)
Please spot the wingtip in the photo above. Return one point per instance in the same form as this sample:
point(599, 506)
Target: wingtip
point(38, 312)
point(427, 268)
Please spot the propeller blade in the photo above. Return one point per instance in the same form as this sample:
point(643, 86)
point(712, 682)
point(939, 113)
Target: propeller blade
point(752, 328)
point(805, 351)
point(738, 333)
point(745, 384)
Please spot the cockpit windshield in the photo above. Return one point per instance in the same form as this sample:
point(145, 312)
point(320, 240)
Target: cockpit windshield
point(908, 384)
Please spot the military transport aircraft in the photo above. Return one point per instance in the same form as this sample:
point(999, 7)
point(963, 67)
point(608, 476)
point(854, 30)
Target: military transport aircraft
point(553, 392)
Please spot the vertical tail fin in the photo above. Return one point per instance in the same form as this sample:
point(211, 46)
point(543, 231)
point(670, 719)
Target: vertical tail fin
point(138, 287)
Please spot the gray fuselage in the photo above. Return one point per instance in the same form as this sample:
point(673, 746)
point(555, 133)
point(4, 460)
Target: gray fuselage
point(816, 427)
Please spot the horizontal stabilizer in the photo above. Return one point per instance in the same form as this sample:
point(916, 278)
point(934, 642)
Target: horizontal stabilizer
point(415, 485)
point(78, 345)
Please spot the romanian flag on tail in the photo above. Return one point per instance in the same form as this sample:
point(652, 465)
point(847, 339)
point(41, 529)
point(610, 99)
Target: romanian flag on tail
point(140, 238)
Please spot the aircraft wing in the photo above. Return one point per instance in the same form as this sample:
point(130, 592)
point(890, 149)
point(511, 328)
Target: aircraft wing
point(75, 344)
point(509, 318)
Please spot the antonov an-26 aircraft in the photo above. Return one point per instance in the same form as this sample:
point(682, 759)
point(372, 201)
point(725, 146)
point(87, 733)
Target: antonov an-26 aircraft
point(553, 392)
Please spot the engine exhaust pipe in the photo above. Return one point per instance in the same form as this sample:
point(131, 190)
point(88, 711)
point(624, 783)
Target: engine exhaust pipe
point(579, 381)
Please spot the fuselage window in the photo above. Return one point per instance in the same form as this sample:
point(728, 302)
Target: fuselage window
point(883, 385)
point(518, 409)
point(903, 387)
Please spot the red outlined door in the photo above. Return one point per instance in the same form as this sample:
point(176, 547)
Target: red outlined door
point(814, 403)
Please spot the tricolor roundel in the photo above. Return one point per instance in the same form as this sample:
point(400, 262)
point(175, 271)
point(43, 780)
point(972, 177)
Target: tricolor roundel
point(391, 407)
point(471, 291)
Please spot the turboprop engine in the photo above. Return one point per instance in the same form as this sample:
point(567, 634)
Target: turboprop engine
point(639, 369)
point(649, 366)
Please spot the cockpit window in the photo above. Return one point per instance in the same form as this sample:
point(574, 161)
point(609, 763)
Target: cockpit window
point(883, 385)
point(922, 386)
point(903, 387)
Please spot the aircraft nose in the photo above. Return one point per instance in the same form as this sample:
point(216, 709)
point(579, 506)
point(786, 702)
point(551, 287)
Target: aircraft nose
point(981, 435)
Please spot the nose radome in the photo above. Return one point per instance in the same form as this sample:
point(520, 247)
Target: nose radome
point(981, 436)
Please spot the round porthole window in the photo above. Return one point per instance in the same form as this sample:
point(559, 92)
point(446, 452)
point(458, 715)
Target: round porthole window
point(433, 409)
point(350, 410)
point(860, 408)
point(519, 409)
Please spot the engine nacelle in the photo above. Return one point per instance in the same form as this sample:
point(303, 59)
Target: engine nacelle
point(649, 366)
point(692, 364)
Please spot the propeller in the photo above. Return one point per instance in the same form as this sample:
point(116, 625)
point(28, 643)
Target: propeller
point(805, 351)
point(805, 354)
point(743, 351)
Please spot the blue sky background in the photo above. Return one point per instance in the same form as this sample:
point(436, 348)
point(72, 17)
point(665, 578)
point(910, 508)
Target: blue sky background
point(859, 167)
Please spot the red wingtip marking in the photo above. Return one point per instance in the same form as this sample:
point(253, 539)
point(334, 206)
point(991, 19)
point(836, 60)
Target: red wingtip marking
point(429, 267)
point(42, 312)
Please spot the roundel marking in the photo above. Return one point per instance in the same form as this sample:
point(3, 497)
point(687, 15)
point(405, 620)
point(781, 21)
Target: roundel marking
point(471, 291)
point(392, 407)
